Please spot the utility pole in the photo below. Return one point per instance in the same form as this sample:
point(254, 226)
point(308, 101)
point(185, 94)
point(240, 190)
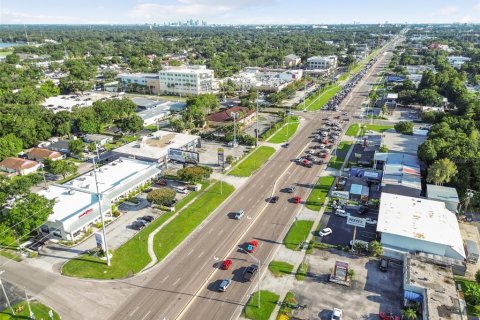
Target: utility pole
point(5, 293)
point(234, 115)
point(32, 315)
point(256, 129)
point(258, 278)
point(99, 197)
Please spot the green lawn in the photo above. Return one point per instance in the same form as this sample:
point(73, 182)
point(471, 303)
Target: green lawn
point(284, 134)
point(5, 53)
point(268, 301)
point(337, 161)
point(127, 260)
point(10, 255)
point(280, 268)
point(189, 219)
point(352, 130)
point(301, 271)
point(22, 312)
point(253, 162)
point(297, 234)
point(375, 127)
point(472, 310)
point(320, 191)
point(285, 310)
point(326, 94)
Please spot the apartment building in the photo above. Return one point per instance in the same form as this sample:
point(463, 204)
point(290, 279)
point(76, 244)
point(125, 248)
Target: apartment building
point(322, 62)
point(186, 80)
point(142, 82)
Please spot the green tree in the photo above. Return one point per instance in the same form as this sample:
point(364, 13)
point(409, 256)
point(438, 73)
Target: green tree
point(49, 89)
point(12, 59)
point(28, 213)
point(229, 159)
point(384, 109)
point(76, 147)
point(383, 148)
point(194, 174)
point(441, 171)
point(472, 294)
point(161, 196)
point(10, 145)
point(427, 152)
point(409, 314)
point(430, 97)
point(8, 237)
point(131, 124)
point(62, 167)
point(477, 276)
point(375, 248)
point(404, 127)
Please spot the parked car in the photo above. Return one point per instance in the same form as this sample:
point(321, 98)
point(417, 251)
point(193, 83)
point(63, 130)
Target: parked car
point(274, 199)
point(336, 314)
point(239, 214)
point(250, 272)
point(181, 190)
point(388, 316)
point(290, 189)
point(341, 213)
point(383, 265)
point(140, 221)
point(325, 232)
point(226, 264)
point(224, 285)
point(370, 221)
point(148, 218)
point(286, 145)
point(252, 246)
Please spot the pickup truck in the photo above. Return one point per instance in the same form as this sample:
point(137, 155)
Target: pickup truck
point(250, 272)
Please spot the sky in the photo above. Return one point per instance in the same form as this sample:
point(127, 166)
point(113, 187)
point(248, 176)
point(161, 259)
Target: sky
point(238, 11)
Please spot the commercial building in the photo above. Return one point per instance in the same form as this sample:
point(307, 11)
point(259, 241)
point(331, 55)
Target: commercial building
point(432, 285)
point(447, 195)
point(98, 139)
point(410, 225)
point(401, 173)
point(155, 147)
point(76, 201)
point(266, 80)
point(225, 117)
point(361, 51)
point(292, 60)
point(152, 111)
point(322, 62)
point(40, 154)
point(143, 82)
point(186, 80)
point(12, 166)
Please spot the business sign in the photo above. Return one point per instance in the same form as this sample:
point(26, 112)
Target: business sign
point(341, 270)
point(85, 213)
point(221, 157)
point(100, 241)
point(183, 156)
point(341, 194)
point(356, 221)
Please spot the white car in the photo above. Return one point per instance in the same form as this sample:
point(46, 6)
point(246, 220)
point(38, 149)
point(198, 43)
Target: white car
point(325, 232)
point(336, 314)
point(370, 221)
point(322, 146)
point(341, 213)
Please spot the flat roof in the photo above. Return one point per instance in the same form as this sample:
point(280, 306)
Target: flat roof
point(420, 219)
point(441, 293)
point(165, 107)
point(156, 145)
point(442, 193)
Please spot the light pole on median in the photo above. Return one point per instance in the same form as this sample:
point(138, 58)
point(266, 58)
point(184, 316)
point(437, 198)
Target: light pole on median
point(5, 293)
point(258, 263)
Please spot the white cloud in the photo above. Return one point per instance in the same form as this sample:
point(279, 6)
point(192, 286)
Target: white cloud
point(448, 11)
point(468, 19)
point(187, 9)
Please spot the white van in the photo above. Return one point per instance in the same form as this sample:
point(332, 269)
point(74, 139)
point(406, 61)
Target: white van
point(181, 190)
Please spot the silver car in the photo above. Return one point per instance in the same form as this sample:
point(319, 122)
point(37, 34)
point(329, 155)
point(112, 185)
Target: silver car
point(224, 285)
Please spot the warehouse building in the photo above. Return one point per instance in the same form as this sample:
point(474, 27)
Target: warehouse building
point(76, 202)
point(410, 225)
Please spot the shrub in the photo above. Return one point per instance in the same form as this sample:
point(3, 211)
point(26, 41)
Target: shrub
point(404, 127)
point(161, 196)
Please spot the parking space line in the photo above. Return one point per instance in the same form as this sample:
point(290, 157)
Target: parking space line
point(145, 317)
point(201, 254)
point(133, 311)
point(177, 281)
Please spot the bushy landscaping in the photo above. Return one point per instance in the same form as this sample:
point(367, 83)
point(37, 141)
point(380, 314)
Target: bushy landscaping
point(253, 162)
point(297, 234)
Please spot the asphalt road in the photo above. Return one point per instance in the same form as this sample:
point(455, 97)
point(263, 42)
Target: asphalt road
point(185, 284)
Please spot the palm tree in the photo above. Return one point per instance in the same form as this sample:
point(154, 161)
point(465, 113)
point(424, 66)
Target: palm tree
point(409, 314)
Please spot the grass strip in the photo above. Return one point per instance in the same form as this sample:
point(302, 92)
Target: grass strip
point(280, 268)
point(21, 311)
point(268, 301)
point(253, 162)
point(319, 193)
point(297, 234)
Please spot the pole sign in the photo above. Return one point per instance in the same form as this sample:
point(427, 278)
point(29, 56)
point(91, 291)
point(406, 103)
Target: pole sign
point(100, 241)
point(341, 194)
point(221, 157)
point(341, 270)
point(356, 221)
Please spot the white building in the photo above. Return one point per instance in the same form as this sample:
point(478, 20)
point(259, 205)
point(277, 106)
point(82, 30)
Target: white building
point(76, 201)
point(268, 80)
point(147, 82)
point(160, 111)
point(186, 80)
point(457, 61)
point(322, 62)
point(292, 60)
point(410, 225)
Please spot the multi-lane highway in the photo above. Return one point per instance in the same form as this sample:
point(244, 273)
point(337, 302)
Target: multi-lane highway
point(185, 284)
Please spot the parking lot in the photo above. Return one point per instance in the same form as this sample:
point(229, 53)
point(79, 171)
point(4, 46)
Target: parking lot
point(371, 290)
point(209, 152)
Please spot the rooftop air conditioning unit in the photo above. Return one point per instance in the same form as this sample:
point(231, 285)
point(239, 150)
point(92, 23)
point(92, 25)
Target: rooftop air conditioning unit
point(71, 191)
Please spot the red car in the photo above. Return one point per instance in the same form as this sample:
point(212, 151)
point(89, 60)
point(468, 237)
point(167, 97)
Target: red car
point(252, 246)
point(388, 316)
point(226, 264)
point(297, 199)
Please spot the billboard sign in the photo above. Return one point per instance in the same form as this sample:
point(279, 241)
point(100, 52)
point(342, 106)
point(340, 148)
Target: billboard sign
point(356, 221)
point(221, 157)
point(341, 270)
point(341, 194)
point(100, 241)
point(183, 156)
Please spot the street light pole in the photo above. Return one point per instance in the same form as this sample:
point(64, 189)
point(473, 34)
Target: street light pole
point(234, 114)
point(5, 293)
point(99, 196)
point(256, 131)
point(258, 263)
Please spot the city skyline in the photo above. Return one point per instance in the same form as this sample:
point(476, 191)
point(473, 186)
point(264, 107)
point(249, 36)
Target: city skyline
point(239, 12)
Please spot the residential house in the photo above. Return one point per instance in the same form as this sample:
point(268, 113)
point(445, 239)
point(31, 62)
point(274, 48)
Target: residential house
point(225, 117)
point(39, 154)
point(14, 166)
point(98, 139)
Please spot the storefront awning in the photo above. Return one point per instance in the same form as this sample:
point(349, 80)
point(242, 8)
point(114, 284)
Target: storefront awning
point(413, 296)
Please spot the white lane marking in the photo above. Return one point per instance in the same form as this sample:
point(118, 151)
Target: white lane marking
point(177, 281)
point(190, 252)
point(145, 317)
point(201, 254)
point(134, 311)
point(166, 277)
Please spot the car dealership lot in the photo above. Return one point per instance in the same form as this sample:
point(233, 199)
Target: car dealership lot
point(371, 290)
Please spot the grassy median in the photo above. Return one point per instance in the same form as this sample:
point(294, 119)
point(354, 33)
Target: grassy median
point(189, 219)
point(319, 193)
point(253, 162)
point(280, 268)
point(317, 102)
point(297, 234)
point(268, 301)
point(342, 150)
point(352, 131)
point(21, 311)
point(284, 134)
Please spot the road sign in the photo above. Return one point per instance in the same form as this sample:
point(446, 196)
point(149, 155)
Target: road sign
point(341, 194)
point(356, 221)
